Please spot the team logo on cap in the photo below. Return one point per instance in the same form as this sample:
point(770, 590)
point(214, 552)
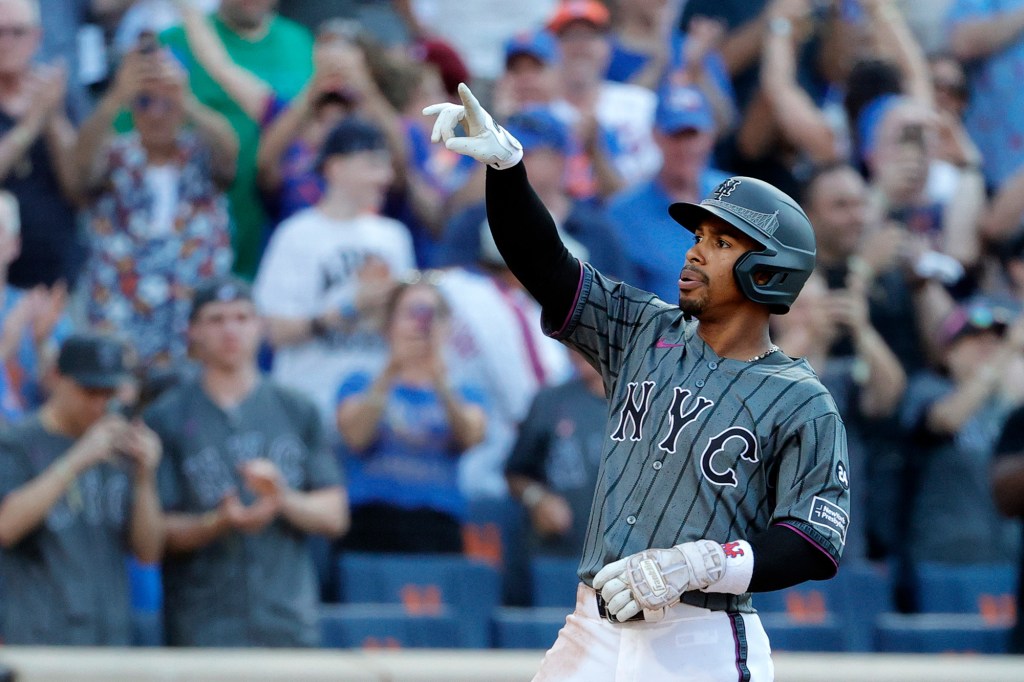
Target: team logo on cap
point(726, 188)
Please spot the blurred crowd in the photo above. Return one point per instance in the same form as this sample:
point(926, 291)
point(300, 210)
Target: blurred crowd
point(245, 301)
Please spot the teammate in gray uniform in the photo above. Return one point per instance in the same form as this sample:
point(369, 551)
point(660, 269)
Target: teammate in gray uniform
point(77, 490)
point(247, 475)
point(724, 470)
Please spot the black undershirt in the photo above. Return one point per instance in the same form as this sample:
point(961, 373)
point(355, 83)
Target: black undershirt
point(528, 241)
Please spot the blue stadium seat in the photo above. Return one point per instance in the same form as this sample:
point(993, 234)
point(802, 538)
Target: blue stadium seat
point(985, 589)
point(147, 628)
point(492, 533)
point(785, 634)
point(424, 584)
point(851, 602)
point(384, 626)
point(936, 633)
point(323, 552)
point(527, 628)
point(146, 595)
point(554, 582)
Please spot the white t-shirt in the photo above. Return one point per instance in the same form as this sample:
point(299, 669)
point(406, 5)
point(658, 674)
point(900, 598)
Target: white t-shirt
point(311, 266)
point(478, 29)
point(490, 353)
point(162, 182)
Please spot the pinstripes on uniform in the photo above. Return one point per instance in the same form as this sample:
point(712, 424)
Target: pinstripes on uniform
point(700, 446)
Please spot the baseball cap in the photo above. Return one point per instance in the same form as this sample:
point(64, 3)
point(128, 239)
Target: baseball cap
point(683, 108)
point(352, 135)
point(449, 63)
point(538, 128)
point(540, 45)
point(980, 315)
point(220, 290)
point(590, 11)
point(93, 361)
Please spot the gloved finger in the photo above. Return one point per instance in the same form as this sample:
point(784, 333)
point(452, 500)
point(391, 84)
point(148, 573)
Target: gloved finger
point(627, 611)
point(445, 124)
point(434, 109)
point(613, 587)
point(475, 113)
point(619, 602)
point(452, 118)
point(608, 572)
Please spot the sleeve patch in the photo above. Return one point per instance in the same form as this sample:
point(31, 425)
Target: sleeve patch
point(830, 516)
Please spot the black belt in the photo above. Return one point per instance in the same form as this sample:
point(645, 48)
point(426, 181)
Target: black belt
point(603, 612)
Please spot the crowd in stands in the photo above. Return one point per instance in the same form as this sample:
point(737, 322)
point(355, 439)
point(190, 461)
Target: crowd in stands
point(245, 301)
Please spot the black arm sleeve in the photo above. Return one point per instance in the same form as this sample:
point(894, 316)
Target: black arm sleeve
point(783, 559)
point(525, 234)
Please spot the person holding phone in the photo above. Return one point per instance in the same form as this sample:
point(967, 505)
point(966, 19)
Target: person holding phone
point(404, 429)
point(77, 491)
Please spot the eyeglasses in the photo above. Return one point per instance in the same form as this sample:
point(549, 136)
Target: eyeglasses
point(15, 31)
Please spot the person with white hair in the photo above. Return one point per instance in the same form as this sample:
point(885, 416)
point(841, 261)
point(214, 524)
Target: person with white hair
point(35, 142)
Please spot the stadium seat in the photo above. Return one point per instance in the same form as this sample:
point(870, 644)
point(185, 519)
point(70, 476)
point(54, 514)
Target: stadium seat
point(553, 581)
point(385, 626)
point(146, 596)
point(851, 602)
point(785, 634)
point(323, 553)
point(491, 529)
point(424, 584)
point(527, 628)
point(988, 590)
point(935, 633)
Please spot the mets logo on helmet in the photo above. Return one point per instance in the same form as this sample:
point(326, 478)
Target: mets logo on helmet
point(726, 188)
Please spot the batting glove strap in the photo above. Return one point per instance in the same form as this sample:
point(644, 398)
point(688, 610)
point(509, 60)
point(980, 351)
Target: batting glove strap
point(657, 577)
point(738, 569)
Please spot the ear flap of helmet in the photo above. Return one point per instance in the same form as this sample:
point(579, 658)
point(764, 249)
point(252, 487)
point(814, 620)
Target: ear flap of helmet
point(785, 278)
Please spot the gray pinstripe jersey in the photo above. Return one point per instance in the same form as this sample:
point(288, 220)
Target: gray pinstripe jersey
point(700, 446)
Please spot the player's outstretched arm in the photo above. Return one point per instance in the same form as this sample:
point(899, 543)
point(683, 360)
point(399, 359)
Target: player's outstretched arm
point(523, 229)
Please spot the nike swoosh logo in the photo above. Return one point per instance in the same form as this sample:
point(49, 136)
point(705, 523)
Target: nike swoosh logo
point(662, 343)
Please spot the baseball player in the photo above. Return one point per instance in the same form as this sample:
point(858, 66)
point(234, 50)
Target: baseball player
point(724, 469)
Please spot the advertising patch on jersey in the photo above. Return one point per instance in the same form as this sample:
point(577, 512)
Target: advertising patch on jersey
point(831, 516)
point(842, 475)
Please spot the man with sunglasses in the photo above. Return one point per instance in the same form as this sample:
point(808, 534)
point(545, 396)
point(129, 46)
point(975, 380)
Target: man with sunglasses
point(156, 210)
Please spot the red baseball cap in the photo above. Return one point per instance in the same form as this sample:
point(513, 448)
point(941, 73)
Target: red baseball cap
point(591, 11)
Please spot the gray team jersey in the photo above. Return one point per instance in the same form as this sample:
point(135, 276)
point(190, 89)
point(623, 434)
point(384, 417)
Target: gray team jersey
point(244, 589)
point(66, 582)
point(700, 446)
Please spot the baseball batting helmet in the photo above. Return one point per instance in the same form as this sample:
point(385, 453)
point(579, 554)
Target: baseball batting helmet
point(776, 222)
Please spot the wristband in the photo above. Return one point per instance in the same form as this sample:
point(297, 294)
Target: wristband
point(532, 495)
point(739, 568)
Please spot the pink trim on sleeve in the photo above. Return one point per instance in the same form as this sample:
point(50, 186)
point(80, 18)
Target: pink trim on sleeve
point(813, 543)
point(572, 308)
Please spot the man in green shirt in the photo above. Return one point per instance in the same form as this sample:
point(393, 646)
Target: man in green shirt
point(279, 52)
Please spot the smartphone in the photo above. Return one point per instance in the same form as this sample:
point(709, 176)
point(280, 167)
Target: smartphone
point(147, 43)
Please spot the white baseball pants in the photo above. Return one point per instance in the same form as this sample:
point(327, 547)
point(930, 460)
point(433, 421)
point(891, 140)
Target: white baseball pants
point(690, 645)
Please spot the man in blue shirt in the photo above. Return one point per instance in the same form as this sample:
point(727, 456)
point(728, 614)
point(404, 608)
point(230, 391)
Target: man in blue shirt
point(684, 130)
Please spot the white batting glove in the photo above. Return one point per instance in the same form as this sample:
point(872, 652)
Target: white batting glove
point(655, 578)
point(487, 141)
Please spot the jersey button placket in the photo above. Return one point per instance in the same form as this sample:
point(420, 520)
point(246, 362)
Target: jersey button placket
point(699, 383)
point(631, 519)
point(657, 466)
point(712, 366)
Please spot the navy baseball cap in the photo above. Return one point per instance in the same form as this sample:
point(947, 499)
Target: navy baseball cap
point(683, 108)
point(540, 45)
point(351, 136)
point(538, 128)
point(94, 361)
point(220, 290)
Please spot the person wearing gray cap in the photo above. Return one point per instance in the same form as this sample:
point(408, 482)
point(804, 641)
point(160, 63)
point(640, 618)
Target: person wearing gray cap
point(77, 490)
point(246, 479)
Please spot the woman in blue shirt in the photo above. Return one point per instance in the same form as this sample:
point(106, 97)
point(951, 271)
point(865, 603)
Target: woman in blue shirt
point(404, 430)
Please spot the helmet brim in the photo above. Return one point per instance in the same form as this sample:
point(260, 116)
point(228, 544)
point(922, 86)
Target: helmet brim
point(691, 216)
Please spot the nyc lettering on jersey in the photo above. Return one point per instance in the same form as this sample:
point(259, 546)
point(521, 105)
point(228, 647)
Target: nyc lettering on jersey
point(681, 413)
